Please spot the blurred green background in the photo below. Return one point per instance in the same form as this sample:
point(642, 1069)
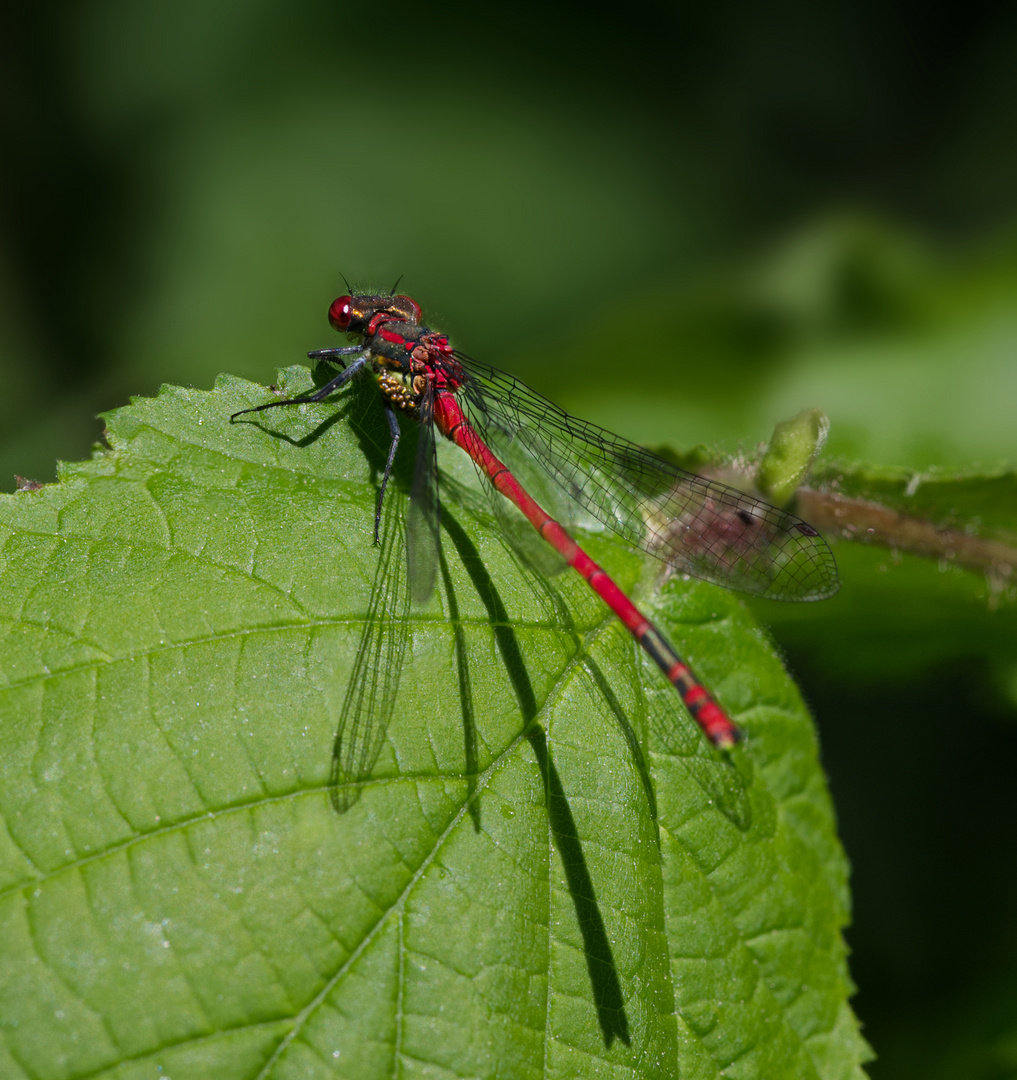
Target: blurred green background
point(685, 222)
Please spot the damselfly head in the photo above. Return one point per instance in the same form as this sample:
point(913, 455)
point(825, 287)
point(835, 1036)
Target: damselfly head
point(340, 314)
point(357, 314)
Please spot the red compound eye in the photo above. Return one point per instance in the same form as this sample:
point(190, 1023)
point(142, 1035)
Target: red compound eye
point(341, 312)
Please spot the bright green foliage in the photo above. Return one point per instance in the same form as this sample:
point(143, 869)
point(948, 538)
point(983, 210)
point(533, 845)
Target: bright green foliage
point(179, 898)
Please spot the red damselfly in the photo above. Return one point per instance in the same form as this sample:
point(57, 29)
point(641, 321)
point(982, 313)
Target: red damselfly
point(698, 526)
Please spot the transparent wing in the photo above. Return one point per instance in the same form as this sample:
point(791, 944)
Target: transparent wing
point(374, 681)
point(699, 526)
point(422, 521)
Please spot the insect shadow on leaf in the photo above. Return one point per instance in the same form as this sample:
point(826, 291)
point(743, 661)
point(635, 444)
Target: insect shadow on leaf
point(465, 691)
point(374, 680)
point(603, 972)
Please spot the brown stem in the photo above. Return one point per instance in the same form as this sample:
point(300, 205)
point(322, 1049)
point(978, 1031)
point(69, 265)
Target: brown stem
point(869, 522)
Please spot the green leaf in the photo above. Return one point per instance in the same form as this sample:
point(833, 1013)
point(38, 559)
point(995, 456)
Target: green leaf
point(178, 897)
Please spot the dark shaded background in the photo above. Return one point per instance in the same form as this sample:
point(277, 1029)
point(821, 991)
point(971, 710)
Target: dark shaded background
point(685, 222)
